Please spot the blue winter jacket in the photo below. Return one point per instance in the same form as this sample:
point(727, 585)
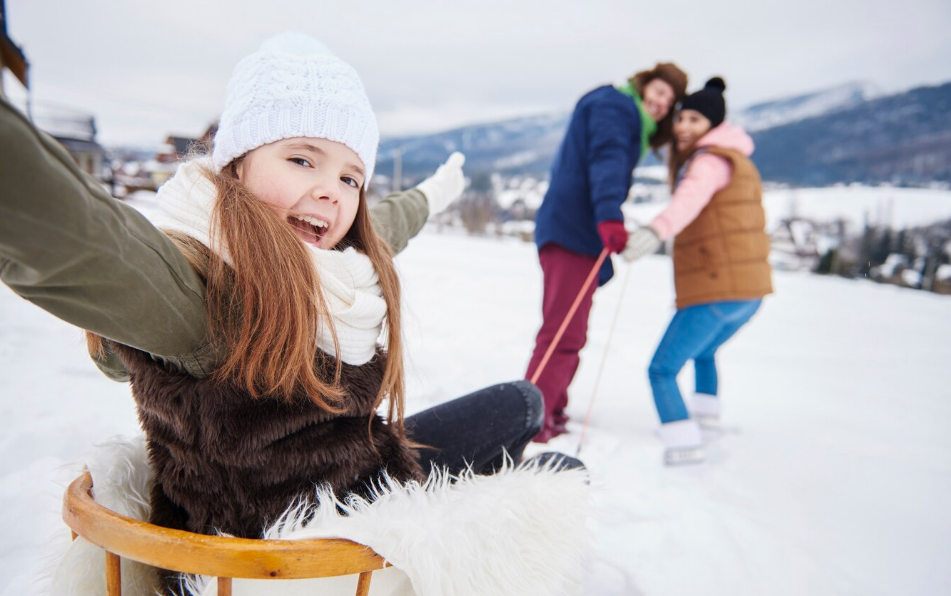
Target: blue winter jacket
point(591, 174)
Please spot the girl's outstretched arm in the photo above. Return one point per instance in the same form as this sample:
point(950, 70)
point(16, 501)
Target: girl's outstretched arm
point(399, 217)
point(74, 251)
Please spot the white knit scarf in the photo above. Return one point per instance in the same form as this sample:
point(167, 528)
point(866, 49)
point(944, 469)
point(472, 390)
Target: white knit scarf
point(348, 281)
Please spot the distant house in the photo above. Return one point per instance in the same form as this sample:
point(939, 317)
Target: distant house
point(11, 56)
point(794, 245)
point(87, 153)
point(179, 147)
point(76, 132)
point(166, 161)
point(209, 134)
point(173, 151)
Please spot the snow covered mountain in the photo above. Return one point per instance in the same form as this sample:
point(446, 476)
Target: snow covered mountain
point(793, 109)
point(848, 133)
point(900, 139)
point(525, 144)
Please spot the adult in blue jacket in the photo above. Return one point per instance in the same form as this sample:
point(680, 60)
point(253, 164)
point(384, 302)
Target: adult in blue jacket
point(611, 128)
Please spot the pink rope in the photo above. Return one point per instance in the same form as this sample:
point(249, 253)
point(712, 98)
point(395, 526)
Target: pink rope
point(607, 347)
point(571, 313)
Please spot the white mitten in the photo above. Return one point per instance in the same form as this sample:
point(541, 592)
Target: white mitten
point(643, 241)
point(446, 185)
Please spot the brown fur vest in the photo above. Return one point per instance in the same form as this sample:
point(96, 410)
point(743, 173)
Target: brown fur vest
point(227, 462)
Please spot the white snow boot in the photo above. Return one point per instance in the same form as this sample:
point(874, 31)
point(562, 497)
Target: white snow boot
point(683, 443)
point(705, 409)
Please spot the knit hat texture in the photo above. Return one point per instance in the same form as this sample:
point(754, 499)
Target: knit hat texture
point(293, 86)
point(708, 101)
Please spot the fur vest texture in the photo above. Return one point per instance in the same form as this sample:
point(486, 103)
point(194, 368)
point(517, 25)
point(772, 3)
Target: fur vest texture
point(226, 462)
point(520, 532)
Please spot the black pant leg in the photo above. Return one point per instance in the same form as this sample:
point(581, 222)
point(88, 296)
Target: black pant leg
point(476, 429)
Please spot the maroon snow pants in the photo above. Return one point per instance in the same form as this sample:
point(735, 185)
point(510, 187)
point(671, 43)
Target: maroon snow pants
point(564, 273)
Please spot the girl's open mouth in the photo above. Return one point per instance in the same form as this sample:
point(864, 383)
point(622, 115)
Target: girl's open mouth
point(308, 228)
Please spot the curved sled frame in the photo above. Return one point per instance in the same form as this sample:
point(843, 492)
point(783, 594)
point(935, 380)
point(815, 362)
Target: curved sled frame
point(219, 556)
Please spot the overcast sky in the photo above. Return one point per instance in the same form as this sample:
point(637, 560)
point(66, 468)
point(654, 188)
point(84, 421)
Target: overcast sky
point(146, 69)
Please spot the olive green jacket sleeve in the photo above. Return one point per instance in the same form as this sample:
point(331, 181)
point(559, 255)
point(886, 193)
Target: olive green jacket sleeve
point(93, 261)
point(74, 251)
point(399, 217)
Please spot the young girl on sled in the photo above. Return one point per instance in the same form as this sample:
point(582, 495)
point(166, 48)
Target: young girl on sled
point(247, 318)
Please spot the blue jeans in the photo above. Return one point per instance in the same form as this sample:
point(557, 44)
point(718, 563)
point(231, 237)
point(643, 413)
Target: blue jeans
point(695, 332)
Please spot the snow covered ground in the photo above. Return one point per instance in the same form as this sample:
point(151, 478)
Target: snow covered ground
point(881, 205)
point(829, 478)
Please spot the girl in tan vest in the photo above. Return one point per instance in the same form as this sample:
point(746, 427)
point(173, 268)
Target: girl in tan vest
point(721, 272)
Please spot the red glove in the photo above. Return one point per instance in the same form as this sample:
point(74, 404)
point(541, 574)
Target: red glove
point(613, 235)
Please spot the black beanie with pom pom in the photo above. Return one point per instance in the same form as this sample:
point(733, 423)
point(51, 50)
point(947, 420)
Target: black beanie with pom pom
point(708, 101)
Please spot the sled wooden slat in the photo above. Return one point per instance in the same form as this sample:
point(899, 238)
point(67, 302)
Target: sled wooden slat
point(113, 575)
point(363, 584)
point(216, 556)
point(224, 586)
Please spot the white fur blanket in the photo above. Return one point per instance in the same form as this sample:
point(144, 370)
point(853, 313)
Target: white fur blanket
point(520, 532)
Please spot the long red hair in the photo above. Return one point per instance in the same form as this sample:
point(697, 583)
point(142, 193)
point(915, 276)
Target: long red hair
point(269, 305)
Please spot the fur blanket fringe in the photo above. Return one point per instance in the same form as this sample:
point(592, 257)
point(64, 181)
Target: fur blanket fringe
point(520, 532)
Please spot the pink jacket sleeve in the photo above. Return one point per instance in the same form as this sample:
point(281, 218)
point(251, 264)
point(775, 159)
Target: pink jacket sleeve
point(705, 176)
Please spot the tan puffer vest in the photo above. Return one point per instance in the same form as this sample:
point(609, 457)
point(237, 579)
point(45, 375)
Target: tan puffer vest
point(722, 255)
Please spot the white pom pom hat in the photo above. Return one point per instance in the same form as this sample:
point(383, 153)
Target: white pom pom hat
point(293, 86)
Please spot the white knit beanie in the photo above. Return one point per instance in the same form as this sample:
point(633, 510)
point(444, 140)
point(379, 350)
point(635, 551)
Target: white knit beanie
point(295, 87)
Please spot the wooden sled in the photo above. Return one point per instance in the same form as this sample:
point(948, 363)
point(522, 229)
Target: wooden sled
point(217, 556)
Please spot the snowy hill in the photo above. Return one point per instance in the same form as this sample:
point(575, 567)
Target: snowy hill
point(895, 208)
point(792, 109)
point(517, 145)
point(901, 138)
point(844, 134)
point(829, 479)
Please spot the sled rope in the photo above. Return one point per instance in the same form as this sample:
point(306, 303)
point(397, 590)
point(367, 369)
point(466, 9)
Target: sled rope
point(604, 358)
point(568, 317)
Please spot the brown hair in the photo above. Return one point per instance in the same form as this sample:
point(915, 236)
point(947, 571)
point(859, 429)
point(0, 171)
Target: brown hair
point(677, 79)
point(676, 160)
point(268, 306)
point(269, 313)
